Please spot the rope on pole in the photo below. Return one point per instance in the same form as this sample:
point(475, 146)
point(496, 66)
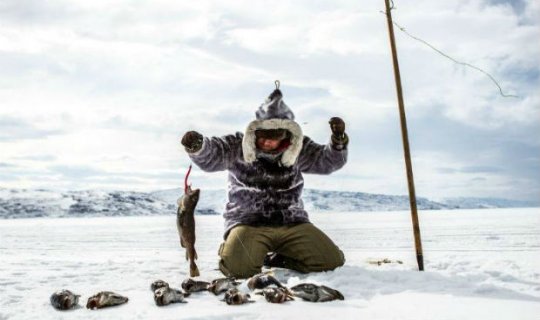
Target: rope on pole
point(466, 64)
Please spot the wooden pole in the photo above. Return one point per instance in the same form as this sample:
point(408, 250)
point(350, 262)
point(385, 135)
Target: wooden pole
point(405, 138)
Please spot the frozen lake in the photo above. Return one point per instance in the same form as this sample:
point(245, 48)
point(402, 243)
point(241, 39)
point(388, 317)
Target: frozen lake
point(480, 264)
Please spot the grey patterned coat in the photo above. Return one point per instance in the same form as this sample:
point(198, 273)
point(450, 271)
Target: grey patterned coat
point(264, 192)
point(267, 190)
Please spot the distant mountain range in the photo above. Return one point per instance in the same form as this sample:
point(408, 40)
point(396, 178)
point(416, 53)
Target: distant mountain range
point(25, 203)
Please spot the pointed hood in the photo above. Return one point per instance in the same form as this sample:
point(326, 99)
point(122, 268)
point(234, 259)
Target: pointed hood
point(274, 114)
point(274, 108)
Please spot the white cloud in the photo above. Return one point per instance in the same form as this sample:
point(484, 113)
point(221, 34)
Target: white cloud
point(120, 81)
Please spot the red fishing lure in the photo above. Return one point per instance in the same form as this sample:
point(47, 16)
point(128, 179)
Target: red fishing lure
point(186, 180)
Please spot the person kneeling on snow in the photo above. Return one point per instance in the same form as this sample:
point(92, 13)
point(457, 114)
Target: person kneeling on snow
point(265, 221)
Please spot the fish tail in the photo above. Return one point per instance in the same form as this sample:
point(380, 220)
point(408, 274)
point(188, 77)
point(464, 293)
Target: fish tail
point(191, 253)
point(193, 269)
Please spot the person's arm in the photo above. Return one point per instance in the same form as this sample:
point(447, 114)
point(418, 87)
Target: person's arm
point(212, 154)
point(325, 159)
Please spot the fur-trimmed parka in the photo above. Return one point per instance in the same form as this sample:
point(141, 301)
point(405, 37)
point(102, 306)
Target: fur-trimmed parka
point(263, 189)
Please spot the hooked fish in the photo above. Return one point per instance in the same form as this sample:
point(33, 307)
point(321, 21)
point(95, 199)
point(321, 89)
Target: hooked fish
point(263, 280)
point(64, 299)
point(185, 221)
point(105, 299)
point(223, 284)
point(165, 295)
point(315, 293)
point(158, 284)
point(190, 285)
point(277, 295)
point(235, 297)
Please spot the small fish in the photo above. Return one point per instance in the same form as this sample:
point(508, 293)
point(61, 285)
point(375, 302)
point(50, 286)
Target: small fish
point(105, 299)
point(190, 285)
point(315, 293)
point(165, 295)
point(263, 280)
point(158, 284)
point(276, 295)
point(185, 222)
point(64, 300)
point(223, 284)
point(235, 297)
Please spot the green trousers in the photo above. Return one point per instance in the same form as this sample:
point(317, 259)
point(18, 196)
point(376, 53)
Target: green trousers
point(305, 248)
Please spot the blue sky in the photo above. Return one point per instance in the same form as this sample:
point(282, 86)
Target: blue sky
point(95, 95)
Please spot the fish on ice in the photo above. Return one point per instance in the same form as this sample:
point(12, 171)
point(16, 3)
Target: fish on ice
point(276, 295)
point(105, 299)
point(158, 284)
point(314, 293)
point(236, 297)
point(190, 285)
point(263, 280)
point(221, 285)
point(64, 299)
point(166, 295)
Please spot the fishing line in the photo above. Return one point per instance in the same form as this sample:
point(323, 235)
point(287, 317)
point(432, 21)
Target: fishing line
point(402, 29)
point(247, 252)
point(186, 179)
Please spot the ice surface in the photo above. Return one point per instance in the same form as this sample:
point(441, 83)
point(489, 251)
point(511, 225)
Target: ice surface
point(480, 264)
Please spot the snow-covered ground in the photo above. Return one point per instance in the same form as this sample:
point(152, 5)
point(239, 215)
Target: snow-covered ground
point(480, 264)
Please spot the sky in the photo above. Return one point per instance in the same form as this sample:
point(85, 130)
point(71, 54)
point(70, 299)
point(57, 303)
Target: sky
point(97, 94)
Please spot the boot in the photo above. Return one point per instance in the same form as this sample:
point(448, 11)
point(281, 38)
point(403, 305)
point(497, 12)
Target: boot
point(274, 259)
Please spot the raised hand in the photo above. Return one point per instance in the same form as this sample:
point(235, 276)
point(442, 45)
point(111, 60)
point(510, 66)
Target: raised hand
point(192, 141)
point(338, 126)
point(339, 137)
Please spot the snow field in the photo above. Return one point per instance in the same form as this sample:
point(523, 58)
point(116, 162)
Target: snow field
point(480, 264)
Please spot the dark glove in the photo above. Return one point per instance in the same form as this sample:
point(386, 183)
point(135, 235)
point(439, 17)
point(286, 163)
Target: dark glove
point(192, 141)
point(339, 137)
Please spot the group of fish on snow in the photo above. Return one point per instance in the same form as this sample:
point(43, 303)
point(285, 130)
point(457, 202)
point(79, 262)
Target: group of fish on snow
point(265, 283)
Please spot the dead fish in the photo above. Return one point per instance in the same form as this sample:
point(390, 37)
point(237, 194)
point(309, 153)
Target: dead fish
point(190, 285)
point(315, 293)
point(165, 295)
point(277, 295)
point(64, 300)
point(263, 280)
point(158, 284)
point(223, 284)
point(105, 299)
point(235, 297)
point(185, 221)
